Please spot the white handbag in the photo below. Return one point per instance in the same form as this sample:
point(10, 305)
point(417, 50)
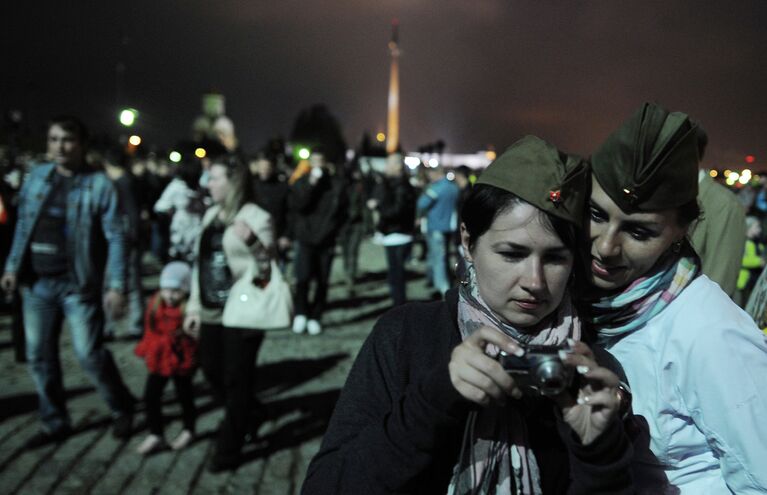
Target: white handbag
point(265, 308)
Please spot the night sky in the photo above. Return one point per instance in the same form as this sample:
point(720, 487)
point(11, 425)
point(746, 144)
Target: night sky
point(473, 72)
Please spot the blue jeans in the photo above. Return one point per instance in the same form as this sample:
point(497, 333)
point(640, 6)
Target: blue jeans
point(46, 303)
point(437, 258)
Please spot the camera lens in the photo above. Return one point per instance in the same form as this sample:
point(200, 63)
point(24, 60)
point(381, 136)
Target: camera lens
point(551, 376)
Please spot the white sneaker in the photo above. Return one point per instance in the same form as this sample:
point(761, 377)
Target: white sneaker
point(182, 440)
point(299, 324)
point(314, 327)
point(151, 444)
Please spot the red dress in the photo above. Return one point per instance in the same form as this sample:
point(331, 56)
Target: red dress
point(166, 350)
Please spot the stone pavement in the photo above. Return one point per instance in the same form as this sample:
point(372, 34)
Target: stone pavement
point(299, 379)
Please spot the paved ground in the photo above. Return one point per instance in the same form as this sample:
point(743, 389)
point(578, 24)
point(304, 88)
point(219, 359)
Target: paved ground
point(299, 381)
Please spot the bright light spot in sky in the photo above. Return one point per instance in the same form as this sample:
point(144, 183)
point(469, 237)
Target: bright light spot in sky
point(134, 140)
point(175, 156)
point(128, 117)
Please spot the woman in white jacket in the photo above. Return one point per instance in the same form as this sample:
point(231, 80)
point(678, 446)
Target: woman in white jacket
point(235, 233)
point(696, 363)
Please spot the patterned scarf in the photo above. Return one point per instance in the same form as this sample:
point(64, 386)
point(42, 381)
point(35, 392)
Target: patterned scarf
point(496, 458)
point(621, 314)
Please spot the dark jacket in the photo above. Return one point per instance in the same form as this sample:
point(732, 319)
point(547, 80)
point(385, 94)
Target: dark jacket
point(319, 209)
point(272, 196)
point(398, 424)
point(396, 205)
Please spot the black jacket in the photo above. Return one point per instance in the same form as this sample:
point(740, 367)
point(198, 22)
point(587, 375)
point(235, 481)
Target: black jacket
point(319, 209)
point(396, 205)
point(398, 424)
point(272, 196)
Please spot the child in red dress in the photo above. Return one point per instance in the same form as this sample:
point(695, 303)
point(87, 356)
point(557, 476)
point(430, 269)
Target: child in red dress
point(169, 353)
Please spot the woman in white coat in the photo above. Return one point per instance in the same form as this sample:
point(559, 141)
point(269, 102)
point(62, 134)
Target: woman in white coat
point(235, 233)
point(696, 363)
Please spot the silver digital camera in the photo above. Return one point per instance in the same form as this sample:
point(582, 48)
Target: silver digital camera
point(540, 371)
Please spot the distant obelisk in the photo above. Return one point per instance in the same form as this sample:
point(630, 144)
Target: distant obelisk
point(392, 125)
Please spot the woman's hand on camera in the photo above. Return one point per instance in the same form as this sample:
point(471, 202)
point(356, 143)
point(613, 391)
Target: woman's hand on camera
point(479, 377)
point(597, 403)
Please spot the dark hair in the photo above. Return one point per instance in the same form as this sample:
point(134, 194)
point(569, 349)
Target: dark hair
point(463, 170)
point(485, 202)
point(189, 170)
point(71, 124)
point(114, 156)
point(702, 138)
point(688, 213)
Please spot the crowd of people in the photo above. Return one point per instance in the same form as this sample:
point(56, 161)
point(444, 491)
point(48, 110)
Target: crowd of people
point(230, 232)
point(624, 271)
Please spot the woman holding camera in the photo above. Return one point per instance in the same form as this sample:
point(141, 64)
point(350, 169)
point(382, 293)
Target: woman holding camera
point(695, 362)
point(429, 408)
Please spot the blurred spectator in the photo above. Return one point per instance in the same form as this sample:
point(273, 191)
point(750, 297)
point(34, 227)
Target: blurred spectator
point(114, 162)
point(319, 202)
point(437, 204)
point(182, 201)
point(747, 197)
point(753, 260)
point(10, 179)
point(353, 228)
point(155, 228)
point(169, 353)
point(719, 236)
point(68, 233)
point(463, 181)
point(271, 193)
point(394, 203)
point(235, 233)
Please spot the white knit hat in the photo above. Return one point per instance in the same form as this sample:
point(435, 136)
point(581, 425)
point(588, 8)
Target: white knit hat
point(176, 275)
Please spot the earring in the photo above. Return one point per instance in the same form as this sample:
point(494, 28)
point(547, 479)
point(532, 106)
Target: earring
point(463, 280)
point(676, 247)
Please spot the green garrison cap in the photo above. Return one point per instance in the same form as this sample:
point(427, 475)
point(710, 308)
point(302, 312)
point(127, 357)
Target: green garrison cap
point(545, 177)
point(651, 162)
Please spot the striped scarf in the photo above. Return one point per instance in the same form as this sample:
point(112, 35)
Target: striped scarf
point(497, 458)
point(620, 314)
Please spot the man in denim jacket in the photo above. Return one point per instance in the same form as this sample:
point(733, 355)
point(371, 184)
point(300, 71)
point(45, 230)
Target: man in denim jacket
point(68, 233)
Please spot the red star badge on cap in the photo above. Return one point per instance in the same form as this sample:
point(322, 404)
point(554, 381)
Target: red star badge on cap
point(555, 196)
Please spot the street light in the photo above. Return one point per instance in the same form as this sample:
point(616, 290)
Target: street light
point(304, 153)
point(128, 116)
point(380, 137)
point(200, 153)
point(134, 140)
point(175, 156)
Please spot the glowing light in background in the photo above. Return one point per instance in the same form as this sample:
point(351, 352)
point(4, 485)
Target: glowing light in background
point(380, 137)
point(750, 159)
point(174, 156)
point(433, 163)
point(200, 152)
point(134, 140)
point(713, 173)
point(490, 154)
point(128, 116)
point(412, 162)
point(450, 176)
point(304, 153)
